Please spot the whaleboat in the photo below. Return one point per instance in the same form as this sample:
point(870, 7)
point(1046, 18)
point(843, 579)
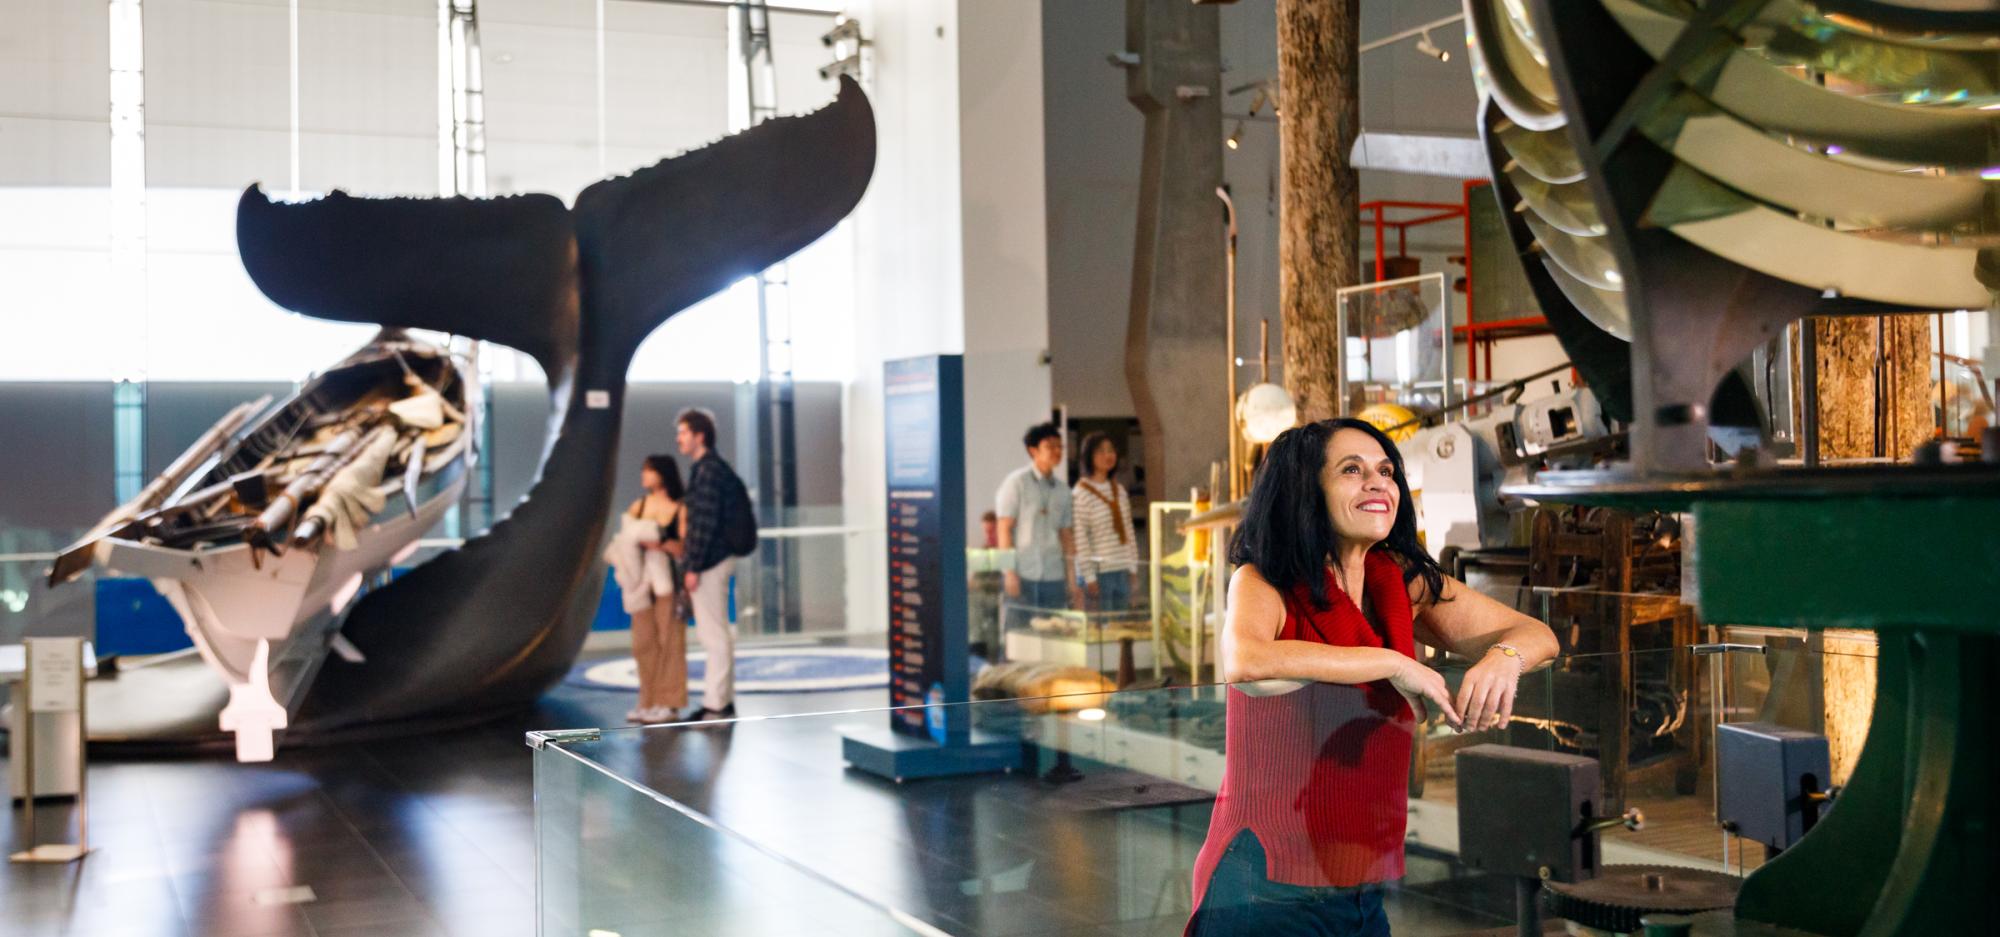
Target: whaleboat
point(264, 531)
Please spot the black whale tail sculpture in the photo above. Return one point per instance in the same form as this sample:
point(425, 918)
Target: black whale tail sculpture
point(499, 620)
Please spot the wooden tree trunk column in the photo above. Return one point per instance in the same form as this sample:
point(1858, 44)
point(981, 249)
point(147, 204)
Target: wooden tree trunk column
point(1868, 410)
point(1319, 221)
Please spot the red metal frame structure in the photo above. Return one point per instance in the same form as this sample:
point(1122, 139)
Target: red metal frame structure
point(1376, 215)
point(1478, 336)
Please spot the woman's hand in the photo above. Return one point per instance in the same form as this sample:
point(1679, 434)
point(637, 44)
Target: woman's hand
point(675, 549)
point(1421, 686)
point(693, 579)
point(1486, 696)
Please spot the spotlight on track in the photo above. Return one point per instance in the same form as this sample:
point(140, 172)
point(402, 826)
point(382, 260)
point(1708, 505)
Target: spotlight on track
point(1235, 137)
point(1427, 47)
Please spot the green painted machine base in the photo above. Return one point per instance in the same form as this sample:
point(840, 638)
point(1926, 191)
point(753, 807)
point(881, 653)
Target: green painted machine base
point(1907, 849)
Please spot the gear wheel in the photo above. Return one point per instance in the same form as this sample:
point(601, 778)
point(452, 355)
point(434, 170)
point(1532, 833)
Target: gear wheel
point(1621, 894)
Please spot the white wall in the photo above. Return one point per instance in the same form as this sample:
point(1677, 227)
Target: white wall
point(1006, 239)
point(54, 104)
point(951, 243)
point(666, 75)
point(908, 291)
point(218, 76)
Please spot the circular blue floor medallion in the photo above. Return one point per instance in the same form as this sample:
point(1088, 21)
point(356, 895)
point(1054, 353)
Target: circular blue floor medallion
point(761, 670)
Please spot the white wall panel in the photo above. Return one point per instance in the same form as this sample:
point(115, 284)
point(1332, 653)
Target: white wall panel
point(370, 73)
point(181, 157)
point(54, 93)
point(665, 89)
point(368, 164)
point(54, 151)
point(218, 87)
point(218, 110)
point(217, 63)
point(798, 54)
point(54, 58)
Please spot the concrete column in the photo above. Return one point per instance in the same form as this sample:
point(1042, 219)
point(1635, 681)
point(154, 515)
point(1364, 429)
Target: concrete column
point(1174, 359)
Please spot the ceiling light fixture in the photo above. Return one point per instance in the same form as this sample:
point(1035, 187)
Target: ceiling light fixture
point(1235, 137)
point(1427, 47)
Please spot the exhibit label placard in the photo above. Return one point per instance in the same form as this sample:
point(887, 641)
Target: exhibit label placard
point(923, 414)
point(55, 674)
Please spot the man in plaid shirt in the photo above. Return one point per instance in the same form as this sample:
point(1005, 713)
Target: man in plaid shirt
point(715, 494)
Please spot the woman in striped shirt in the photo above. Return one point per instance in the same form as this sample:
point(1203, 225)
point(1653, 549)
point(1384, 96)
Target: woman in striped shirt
point(1107, 549)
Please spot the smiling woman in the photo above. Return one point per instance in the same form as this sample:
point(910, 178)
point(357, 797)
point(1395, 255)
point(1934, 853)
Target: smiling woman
point(1332, 595)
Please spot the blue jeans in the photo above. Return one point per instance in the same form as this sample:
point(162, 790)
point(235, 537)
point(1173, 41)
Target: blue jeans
point(1242, 901)
point(1114, 591)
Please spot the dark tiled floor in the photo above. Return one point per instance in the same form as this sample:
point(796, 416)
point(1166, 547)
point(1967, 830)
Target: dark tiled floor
point(434, 837)
point(403, 838)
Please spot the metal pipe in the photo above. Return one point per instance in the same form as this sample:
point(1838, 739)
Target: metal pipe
point(1527, 910)
point(1229, 413)
point(1503, 389)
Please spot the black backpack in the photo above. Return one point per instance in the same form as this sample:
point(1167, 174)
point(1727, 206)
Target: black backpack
point(739, 524)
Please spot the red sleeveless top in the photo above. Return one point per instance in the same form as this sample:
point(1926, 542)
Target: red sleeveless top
point(1320, 774)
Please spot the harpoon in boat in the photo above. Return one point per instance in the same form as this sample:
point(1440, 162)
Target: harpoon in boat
point(263, 532)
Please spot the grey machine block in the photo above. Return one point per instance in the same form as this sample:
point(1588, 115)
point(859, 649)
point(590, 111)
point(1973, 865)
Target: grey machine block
point(1769, 777)
point(1521, 811)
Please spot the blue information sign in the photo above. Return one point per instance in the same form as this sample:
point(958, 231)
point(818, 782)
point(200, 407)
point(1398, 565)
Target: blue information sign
point(923, 412)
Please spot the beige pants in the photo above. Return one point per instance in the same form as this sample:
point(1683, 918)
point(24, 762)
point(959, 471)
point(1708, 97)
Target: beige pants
point(712, 629)
point(659, 645)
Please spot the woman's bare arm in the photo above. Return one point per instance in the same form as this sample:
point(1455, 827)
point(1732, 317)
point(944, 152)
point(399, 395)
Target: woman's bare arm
point(1469, 623)
point(1250, 651)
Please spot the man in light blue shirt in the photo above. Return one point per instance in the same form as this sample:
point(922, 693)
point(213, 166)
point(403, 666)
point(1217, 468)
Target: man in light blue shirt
point(1034, 509)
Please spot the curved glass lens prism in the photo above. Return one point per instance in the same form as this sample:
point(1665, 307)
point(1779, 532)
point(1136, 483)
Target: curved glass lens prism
point(1516, 69)
point(1567, 206)
point(1586, 258)
point(1604, 308)
point(1544, 154)
point(1788, 102)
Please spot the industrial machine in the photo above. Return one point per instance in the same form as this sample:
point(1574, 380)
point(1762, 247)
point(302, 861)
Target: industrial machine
point(1691, 178)
point(1538, 819)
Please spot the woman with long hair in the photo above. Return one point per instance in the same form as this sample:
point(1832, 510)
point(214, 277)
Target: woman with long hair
point(659, 632)
point(1331, 595)
point(1107, 547)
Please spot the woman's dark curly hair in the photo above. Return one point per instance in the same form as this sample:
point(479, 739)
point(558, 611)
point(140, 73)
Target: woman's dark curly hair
point(670, 475)
point(1286, 532)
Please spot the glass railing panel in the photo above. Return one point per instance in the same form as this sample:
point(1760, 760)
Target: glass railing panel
point(1097, 827)
point(1099, 821)
point(613, 859)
